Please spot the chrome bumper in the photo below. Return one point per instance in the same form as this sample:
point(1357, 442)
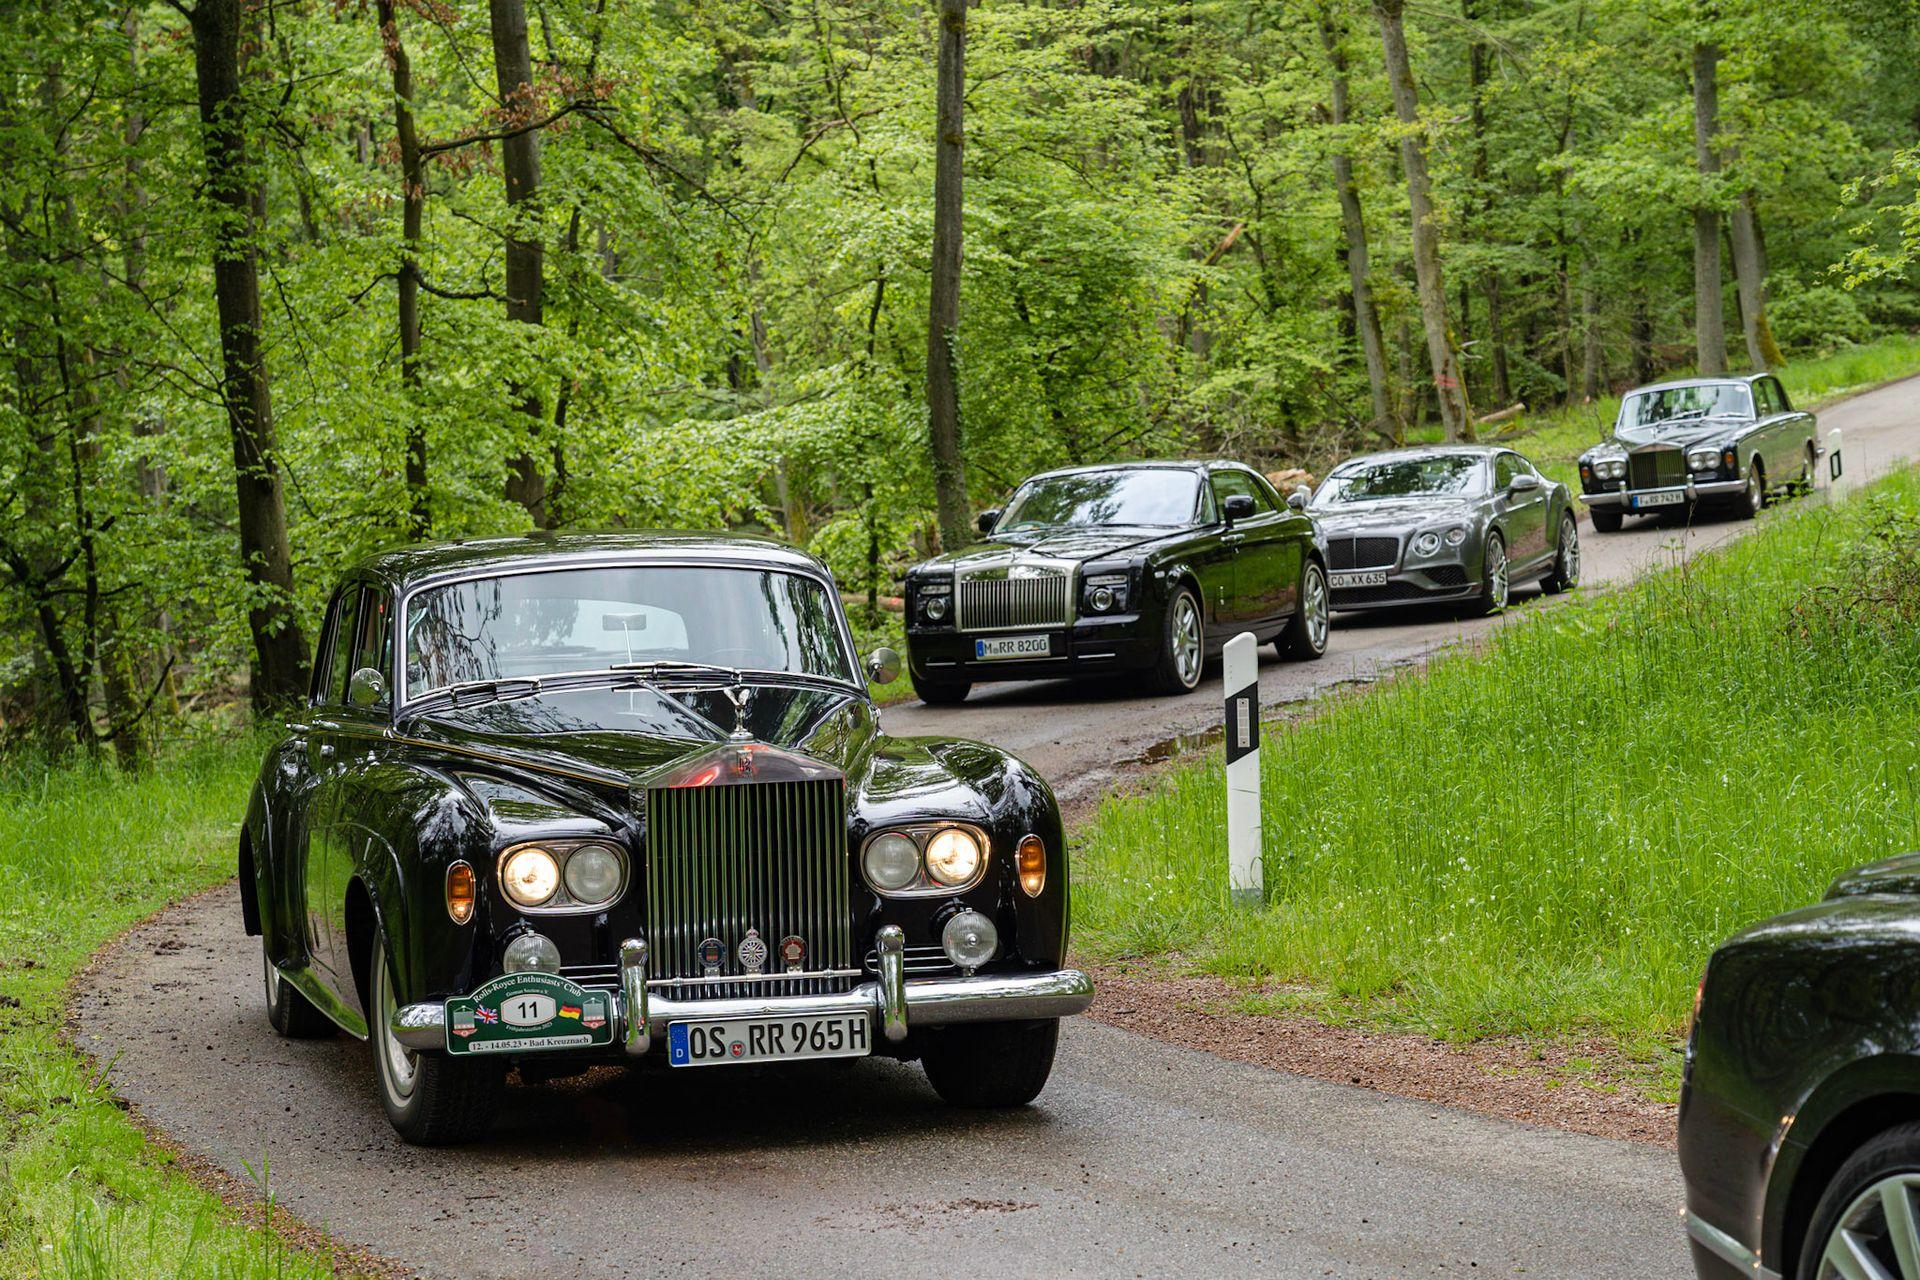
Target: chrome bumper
point(1695, 490)
point(895, 1002)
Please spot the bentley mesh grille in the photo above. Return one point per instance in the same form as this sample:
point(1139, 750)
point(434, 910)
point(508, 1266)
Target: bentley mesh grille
point(1449, 575)
point(1362, 553)
point(993, 604)
point(770, 856)
point(1346, 597)
point(1656, 468)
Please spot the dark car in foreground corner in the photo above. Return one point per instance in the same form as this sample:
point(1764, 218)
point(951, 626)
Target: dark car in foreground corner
point(1450, 523)
point(567, 799)
point(1800, 1107)
point(1731, 442)
point(1145, 568)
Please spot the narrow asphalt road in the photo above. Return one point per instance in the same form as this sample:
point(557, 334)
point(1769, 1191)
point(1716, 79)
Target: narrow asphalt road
point(1140, 1159)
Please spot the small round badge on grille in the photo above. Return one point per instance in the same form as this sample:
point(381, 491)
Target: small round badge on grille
point(793, 952)
point(753, 953)
point(713, 954)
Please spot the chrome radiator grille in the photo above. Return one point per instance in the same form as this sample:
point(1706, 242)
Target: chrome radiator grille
point(770, 856)
point(1655, 468)
point(1362, 553)
point(991, 604)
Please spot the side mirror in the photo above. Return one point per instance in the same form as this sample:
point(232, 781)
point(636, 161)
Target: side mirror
point(1299, 498)
point(1523, 483)
point(1237, 507)
point(366, 688)
point(987, 519)
point(883, 667)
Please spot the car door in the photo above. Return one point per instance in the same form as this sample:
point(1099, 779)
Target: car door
point(1524, 514)
point(1266, 557)
point(1210, 556)
point(1767, 429)
point(310, 852)
point(1793, 432)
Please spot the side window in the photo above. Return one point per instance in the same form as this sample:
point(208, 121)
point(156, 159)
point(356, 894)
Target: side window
point(346, 621)
point(1228, 484)
point(373, 634)
point(1209, 512)
point(1505, 468)
point(1777, 394)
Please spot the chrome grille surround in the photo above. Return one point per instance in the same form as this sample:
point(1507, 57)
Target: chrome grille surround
point(1009, 597)
point(1348, 552)
point(771, 856)
point(1656, 466)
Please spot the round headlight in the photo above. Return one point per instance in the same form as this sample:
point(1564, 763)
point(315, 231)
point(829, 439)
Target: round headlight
point(593, 874)
point(935, 608)
point(1614, 468)
point(970, 940)
point(1456, 535)
point(1705, 460)
point(953, 857)
point(892, 861)
point(1426, 544)
point(530, 876)
point(1102, 599)
point(531, 953)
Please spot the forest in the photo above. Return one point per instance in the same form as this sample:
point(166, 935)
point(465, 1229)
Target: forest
point(287, 282)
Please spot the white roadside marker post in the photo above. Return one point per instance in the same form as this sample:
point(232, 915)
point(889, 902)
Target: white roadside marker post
point(1240, 669)
point(1836, 469)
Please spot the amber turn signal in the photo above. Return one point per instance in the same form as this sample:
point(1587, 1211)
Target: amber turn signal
point(1033, 866)
point(460, 892)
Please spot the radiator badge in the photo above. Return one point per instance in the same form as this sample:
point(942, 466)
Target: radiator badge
point(793, 952)
point(713, 953)
point(753, 953)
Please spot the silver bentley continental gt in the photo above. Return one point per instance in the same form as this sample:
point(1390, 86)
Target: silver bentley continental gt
point(1444, 524)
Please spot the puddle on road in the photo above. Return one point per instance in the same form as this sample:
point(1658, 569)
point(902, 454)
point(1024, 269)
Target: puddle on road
point(1199, 740)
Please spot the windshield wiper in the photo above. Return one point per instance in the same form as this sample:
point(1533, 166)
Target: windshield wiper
point(473, 693)
point(655, 668)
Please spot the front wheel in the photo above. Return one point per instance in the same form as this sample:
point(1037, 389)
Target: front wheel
point(1606, 519)
point(1754, 496)
point(991, 1064)
point(1183, 645)
point(1495, 586)
point(291, 1014)
point(1566, 560)
point(1305, 638)
point(1868, 1211)
point(431, 1099)
point(941, 693)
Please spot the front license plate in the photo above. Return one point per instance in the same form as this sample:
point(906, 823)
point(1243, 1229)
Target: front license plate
point(716, 1044)
point(529, 1013)
point(1014, 647)
point(1671, 498)
point(1372, 578)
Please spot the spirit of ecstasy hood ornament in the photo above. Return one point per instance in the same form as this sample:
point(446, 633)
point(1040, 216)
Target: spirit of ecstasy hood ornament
point(740, 695)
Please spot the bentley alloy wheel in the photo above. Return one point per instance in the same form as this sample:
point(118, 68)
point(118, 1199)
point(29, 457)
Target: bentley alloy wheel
point(1566, 560)
point(1184, 650)
point(1306, 636)
point(1495, 587)
point(1876, 1234)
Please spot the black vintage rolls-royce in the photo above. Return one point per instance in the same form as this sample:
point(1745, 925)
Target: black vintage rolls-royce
point(1800, 1107)
point(1451, 523)
point(1729, 441)
point(568, 799)
point(1146, 567)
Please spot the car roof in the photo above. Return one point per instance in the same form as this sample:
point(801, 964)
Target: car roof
point(1196, 465)
point(1742, 378)
point(411, 566)
point(1428, 451)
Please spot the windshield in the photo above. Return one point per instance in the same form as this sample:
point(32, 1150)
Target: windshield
point(1701, 400)
point(1139, 496)
point(541, 624)
point(1444, 475)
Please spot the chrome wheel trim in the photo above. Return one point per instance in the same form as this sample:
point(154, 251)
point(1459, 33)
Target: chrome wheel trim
point(399, 1064)
point(1314, 608)
point(1497, 584)
point(1878, 1237)
point(1569, 551)
point(1187, 641)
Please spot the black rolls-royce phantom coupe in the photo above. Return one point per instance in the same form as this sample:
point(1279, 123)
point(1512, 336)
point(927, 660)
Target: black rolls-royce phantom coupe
point(1146, 567)
point(1800, 1107)
point(1733, 442)
point(568, 799)
point(1458, 523)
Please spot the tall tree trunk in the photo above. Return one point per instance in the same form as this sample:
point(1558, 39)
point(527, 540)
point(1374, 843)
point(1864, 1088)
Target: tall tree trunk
point(237, 202)
point(1444, 361)
point(1709, 323)
point(1750, 274)
point(413, 203)
point(1366, 315)
point(1477, 60)
point(526, 267)
point(943, 318)
point(1593, 364)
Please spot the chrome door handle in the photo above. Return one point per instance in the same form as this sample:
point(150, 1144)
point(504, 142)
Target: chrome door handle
point(326, 751)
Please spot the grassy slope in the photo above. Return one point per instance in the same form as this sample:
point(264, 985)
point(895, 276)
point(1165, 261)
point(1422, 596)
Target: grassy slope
point(1547, 837)
point(84, 853)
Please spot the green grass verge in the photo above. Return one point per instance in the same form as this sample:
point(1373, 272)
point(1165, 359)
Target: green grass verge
point(1555, 440)
point(1546, 837)
point(85, 852)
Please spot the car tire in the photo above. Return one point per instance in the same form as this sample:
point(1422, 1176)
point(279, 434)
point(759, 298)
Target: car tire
point(1565, 575)
point(941, 693)
point(991, 1064)
point(1605, 519)
point(1305, 639)
point(1809, 467)
point(291, 1014)
point(1851, 1202)
point(1753, 498)
point(1496, 583)
point(1183, 644)
point(432, 1099)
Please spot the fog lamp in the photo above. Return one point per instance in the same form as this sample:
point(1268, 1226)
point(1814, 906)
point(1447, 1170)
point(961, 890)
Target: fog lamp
point(531, 953)
point(1033, 866)
point(970, 940)
point(460, 892)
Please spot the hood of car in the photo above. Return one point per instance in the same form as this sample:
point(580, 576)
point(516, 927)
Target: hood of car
point(1077, 545)
point(1394, 514)
point(1680, 435)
